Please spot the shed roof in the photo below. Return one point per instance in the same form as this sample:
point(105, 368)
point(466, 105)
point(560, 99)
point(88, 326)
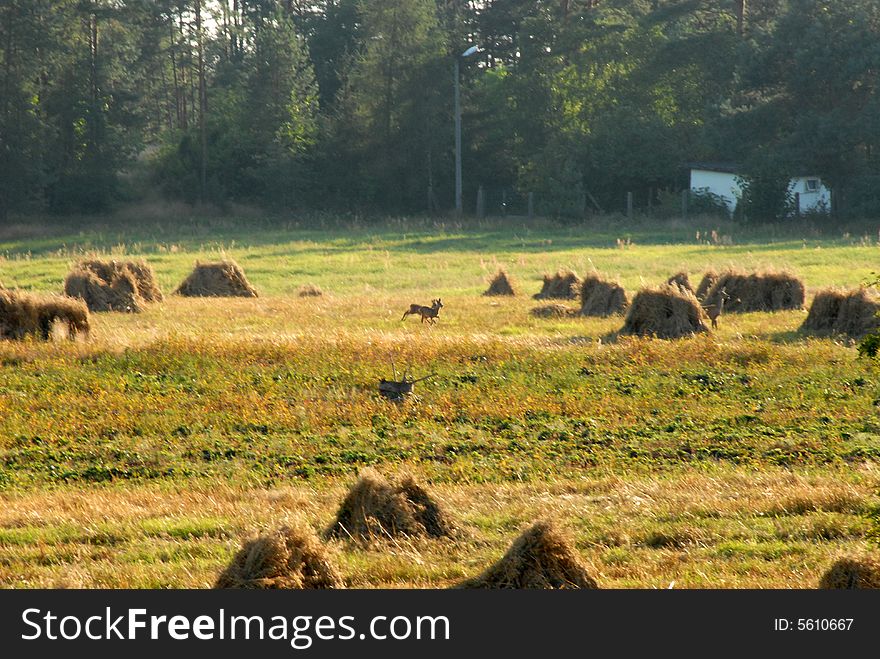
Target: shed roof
point(717, 166)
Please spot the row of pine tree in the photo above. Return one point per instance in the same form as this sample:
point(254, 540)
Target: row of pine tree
point(348, 104)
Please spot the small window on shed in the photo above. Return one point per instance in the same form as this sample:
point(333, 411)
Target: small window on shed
point(812, 185)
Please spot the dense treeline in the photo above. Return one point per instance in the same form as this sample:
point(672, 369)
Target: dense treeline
point(348, 104)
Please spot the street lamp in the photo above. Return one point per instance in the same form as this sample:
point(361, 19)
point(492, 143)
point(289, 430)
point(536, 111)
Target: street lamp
point(470, 51)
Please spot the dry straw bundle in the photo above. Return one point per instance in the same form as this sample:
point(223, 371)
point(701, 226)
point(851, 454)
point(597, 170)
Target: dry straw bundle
point(113, 285)
point(554, 311)
point(850, 574)
point(666, 312)
point(850, 313)
point(542, 557)
point(758, 291)
point(682, 280)
point(18, 316)
point(501, 284)
point(216, 279)
point(24, 315)
point(560, 286)
point(310, 290)
point(143, 275)
point(286, 558)
point(706, 284)
point(602, 298)
point(375, 508)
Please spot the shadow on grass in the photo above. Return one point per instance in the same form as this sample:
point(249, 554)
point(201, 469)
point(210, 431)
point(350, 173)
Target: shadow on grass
point(74, 235)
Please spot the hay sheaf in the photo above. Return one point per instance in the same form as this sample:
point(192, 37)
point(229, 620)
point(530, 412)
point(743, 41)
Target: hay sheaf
point(602, 298)
point(148, 287)
point(560, 286)
point(851, 574)
point(113, 285)
point(24, 315)
point(143, 275)
point(542, 557)
point(757, 291)
point(375, 508)
point(287, 558)
point(72, 313)
point(682, 280)
point(501, 284)
point(706, 284)
point(310, 290)
point(666, 312)
point(839, 312)
point(554, 311)
point(216, 279)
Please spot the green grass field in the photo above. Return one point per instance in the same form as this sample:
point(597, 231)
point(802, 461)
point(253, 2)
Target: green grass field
point(144, 456)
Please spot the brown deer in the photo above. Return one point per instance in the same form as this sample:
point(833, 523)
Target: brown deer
point(714, 310)
point(430, 313)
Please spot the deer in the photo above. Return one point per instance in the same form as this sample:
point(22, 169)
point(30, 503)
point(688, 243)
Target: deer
point(714, 310)
point(430, 313)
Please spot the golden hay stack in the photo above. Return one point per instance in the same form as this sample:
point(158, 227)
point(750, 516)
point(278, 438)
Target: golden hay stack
point(665, 312)
point(145, 278)
point(18, 315)
point(682, 280)
point(554, 311)
point(850, 313)
point(119, 294)
point(602, 298)
point(757, 291)
point(542, 557)
point(113, 285)
point(501, 284)
point(851, 574)
point(561, 286)
point(72, 313)
point(706, 284)
point(310, 290)
point(216, 279)
point(375, 508)
point(22, 315)
point(287, 558)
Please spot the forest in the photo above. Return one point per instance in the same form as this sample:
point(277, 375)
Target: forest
point(348, 105)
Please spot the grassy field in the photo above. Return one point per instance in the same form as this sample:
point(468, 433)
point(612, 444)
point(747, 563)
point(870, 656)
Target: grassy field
point(144, 456)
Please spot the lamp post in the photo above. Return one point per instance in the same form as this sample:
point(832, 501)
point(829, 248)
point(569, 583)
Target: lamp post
point(470, 51)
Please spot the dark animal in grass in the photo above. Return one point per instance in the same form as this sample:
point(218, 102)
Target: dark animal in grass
point(714, 310)
point(429, 313)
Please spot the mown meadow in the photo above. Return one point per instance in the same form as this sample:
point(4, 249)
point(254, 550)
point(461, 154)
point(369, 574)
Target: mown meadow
point(144, 456)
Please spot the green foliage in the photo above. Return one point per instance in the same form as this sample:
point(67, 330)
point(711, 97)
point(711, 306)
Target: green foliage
point(262, 123)
point(765, 198)
point(869, 346)
point(705, 202)
point(348, 103)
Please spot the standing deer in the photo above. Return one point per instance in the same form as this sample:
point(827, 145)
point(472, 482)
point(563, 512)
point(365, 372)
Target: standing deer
point(430, 313)
point(714, 310)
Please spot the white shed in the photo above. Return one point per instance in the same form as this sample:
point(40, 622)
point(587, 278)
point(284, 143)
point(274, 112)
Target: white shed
point(722, 179)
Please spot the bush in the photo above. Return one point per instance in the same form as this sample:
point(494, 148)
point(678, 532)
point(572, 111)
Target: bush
point(704, 202)
point(765, 197)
